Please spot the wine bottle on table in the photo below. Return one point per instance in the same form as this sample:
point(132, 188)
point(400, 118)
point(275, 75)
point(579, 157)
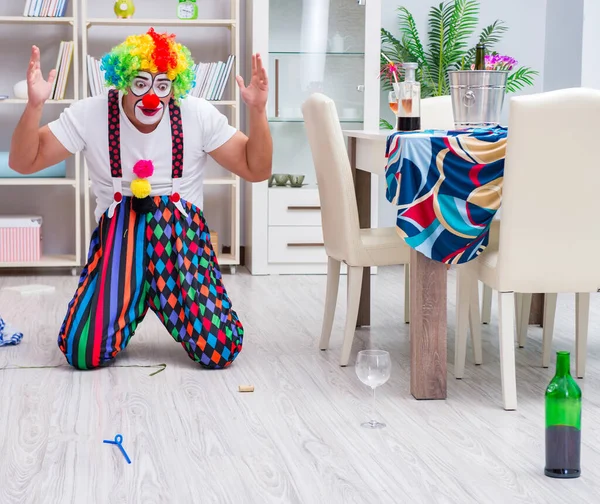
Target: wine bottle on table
point(563, 422)
point(480, 57)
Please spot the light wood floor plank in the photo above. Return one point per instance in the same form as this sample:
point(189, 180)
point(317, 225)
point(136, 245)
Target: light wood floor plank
point(193, 438)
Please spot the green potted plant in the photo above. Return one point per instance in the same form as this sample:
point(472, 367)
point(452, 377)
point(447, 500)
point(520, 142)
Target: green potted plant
point(451, 26)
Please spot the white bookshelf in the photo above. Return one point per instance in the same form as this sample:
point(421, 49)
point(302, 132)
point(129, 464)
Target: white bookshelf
point(40, 20)
point(17, 101)
point(6, 184)
point(228, 23)
point(233, 182)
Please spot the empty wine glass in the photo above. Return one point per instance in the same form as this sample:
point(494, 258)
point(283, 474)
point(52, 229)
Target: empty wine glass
point(373, 368)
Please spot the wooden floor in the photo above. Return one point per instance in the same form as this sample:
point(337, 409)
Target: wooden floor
point(193, 438)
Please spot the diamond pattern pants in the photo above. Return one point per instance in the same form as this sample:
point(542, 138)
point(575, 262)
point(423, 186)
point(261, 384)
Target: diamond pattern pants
point(160, 260)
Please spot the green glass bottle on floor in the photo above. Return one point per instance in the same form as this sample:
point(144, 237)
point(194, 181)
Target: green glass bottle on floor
point(563, 422)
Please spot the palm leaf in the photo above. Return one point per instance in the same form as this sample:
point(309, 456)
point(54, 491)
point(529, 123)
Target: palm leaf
point(411, 39)
point(383, 124)
point(520, 78)
point(392, 47)
point(436, 42)
point(451, 24)
point(462, 22)
point(489, 36)
point(397, 51)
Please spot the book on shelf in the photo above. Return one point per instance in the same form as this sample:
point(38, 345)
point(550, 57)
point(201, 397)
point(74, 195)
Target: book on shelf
point(45, 8)
point(63, 66)
point(96, 81)
point(211, 78)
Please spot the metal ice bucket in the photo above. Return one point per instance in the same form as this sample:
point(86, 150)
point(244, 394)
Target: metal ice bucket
point(477, 97)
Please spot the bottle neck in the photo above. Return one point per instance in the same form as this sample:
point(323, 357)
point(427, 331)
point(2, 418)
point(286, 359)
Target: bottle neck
point(563, 363)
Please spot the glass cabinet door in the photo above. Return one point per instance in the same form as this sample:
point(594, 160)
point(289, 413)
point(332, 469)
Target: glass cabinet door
point(314, 46)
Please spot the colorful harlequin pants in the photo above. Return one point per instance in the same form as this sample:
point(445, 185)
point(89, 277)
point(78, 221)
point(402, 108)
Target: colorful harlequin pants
point(160, 260)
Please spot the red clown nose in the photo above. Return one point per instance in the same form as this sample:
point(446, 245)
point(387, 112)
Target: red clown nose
point(150, 101)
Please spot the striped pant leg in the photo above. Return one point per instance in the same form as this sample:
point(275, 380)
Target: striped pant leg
point(110, 300)
point(186, 289)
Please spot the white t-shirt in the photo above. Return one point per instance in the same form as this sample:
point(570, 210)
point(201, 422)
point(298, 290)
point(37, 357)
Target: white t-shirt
point(84, 127)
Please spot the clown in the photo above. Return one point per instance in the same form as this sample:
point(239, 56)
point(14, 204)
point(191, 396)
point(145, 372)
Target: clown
point(146, 144)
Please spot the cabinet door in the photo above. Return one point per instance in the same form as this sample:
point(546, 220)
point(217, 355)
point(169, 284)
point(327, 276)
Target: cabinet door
point(314, 46)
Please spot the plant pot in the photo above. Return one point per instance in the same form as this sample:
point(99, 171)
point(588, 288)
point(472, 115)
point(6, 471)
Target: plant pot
point(477, 97)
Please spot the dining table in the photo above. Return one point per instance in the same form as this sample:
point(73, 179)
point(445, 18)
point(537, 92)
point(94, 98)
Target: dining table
point(446, 186)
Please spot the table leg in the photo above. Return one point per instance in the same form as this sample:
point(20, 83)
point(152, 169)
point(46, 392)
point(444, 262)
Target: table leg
point(362, 189)
point(536, 316)
point(428, 327)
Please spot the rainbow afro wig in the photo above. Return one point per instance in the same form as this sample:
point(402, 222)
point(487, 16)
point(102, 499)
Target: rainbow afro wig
point(150, 52)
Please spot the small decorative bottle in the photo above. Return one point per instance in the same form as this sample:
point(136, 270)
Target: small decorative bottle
point(409, 100)
point(563, 422)
point(187, 9)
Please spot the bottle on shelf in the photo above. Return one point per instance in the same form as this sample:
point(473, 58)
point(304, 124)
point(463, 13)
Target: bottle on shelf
point(480, 57)
point(563, 422)
point(409, 100)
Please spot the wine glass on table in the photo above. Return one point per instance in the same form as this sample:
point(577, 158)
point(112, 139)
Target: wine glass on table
point(373, 368)
point(393, 102)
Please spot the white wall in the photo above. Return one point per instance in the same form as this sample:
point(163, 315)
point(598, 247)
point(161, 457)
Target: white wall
point(525, 41)
point(564, 31)
point(590, 68)
point(57, 205)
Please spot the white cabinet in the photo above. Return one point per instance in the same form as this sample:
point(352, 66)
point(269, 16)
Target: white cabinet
point(326, 46)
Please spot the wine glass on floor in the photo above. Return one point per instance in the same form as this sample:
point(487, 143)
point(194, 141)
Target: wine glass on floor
point(373, 368)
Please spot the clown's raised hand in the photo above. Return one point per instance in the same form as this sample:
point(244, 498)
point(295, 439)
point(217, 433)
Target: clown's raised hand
point(38, 89)
point(255, 95)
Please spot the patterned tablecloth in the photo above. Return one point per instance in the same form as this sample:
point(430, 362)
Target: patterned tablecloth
point(447, 186)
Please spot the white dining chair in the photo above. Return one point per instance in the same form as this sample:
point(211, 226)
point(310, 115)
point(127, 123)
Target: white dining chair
point(436, 113)
point(345, 242)
point(549, 237)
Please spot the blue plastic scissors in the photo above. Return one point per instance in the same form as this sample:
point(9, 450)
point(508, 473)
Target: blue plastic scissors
point(119, 442)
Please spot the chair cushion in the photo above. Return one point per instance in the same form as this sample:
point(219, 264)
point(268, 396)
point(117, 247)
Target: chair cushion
point(383, 247)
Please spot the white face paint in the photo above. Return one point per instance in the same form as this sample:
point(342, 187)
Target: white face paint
point(142, 84)
point(148, 116)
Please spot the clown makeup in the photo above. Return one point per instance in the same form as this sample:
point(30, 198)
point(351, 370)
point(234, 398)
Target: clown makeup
point(144, 81)
point(153, 93)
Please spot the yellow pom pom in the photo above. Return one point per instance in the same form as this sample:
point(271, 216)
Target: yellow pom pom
point(140, 188)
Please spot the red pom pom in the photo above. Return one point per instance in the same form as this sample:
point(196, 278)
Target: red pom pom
point(150, 101)
point(175, 197)
point(143, 168)
point(118, 197)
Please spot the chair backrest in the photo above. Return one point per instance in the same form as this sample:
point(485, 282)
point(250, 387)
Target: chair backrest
point(436, 113)
point(339, 210)
point(550, 230)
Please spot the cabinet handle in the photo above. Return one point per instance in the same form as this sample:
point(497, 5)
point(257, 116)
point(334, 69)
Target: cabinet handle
point(305, 244)
point(277, 87)
point(304, 208)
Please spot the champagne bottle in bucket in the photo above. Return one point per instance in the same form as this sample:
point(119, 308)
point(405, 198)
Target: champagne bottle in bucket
point(480, 57)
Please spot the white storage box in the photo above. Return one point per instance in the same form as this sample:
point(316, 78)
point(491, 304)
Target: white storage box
point(20, 238)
